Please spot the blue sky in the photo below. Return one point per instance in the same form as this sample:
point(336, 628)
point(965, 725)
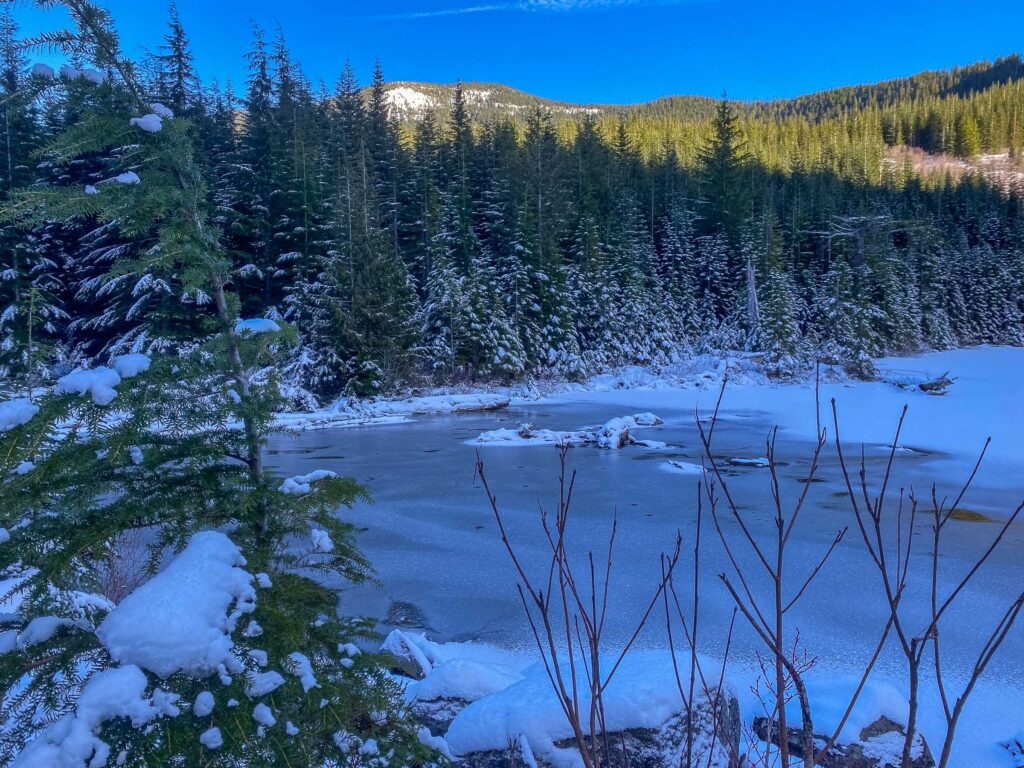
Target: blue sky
point(613, 51)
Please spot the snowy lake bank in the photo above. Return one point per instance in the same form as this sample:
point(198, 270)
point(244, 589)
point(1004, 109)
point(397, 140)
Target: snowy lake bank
point(443, 571)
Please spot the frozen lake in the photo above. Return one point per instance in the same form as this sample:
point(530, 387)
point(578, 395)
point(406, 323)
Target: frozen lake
point(443, 570)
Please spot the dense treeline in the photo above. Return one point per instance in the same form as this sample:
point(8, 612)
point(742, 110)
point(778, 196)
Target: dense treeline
point(455, 248)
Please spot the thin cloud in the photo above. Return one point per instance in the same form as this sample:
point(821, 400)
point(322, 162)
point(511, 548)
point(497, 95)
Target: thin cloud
point(534, 6)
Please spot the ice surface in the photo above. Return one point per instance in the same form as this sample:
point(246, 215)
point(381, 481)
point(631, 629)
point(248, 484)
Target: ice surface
point(181, 620)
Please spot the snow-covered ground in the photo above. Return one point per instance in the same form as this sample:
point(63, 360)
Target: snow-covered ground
point(362, 413)
point(443, 570)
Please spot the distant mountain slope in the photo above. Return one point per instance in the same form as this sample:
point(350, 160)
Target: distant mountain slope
point(486, 101)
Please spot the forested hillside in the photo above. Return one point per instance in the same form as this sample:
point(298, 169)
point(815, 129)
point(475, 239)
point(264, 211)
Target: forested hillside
point(413, 240)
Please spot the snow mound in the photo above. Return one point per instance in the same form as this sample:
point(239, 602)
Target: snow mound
point(204, 704)
point(300, 484)
point(614, 434)
point(832, 696)
point(526, 434)
point(148, 123)
point(14, 413)
point(128, 366)
point(467, 671)
point(73, 741)
point(181, 620)
point(94, 76)
point(101, 383)
point(642, 694)
point(211, 738)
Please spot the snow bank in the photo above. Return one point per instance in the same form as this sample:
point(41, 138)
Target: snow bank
point(526, 434)
point(831, 697)
point(14, 413)
point(73, 741)
point(101, 383)
point(350, 413)
point(181, 620)
point(467, 671)
point(642, 694)
point(613, 434)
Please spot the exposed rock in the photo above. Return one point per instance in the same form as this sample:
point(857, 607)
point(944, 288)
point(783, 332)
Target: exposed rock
point(880, 746)
point(405, 615)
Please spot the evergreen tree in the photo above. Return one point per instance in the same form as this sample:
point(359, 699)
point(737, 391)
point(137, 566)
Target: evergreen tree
point(723, 197)
point(173, 469)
